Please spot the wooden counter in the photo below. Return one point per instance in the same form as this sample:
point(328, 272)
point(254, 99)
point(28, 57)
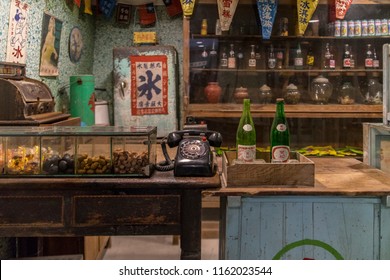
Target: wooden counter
point(333, 176)
point(346, 215)
point(83, 206)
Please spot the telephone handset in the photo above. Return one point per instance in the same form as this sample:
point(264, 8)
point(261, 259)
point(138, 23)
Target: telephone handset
point(194, 156)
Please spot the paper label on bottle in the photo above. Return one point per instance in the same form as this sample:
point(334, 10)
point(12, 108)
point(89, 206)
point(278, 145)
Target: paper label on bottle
point(271, 63)
point(246, 153)
point(252, 62)
point(332, 64)
point(280, 153)
point(247, 127)
point(231, 62)
point(375, 63)
point(224, 62)
point(281, 127)
point(347, 63)
point(368, 63)
point(298, 61)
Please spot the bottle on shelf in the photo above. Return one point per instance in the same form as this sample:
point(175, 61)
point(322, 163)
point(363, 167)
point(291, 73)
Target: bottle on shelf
point(352, 58)
point(232, 58)
point(329, 62)
point(298, 59)
point(375, 60)
point(271, 62)
point(203, 29)
point(213, 60)
point(252, 58)
point(240, 59)
point(369, 60)
point(218, 30)
point(223, 60)
point(258, 56)
point(280, 135)
point(279, 57)
point(246, 135)
point(310, 58)
point(346, 57)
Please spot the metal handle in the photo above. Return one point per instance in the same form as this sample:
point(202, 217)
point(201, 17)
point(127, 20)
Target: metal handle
point(122, 91)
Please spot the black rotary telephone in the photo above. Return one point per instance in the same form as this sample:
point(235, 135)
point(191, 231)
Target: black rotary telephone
point(194, 156)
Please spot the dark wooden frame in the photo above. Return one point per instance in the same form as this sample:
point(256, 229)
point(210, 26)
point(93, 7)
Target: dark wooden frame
point(160, 205)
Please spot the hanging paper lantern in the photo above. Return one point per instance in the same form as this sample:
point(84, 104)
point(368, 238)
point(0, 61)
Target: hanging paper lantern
point(226, 10)
point(267, 11)
point(188, 7)
point(147, 15)
point(342, 7)
point(305, 9)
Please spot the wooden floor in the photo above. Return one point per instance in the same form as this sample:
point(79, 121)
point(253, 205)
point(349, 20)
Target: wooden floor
point(161, 247)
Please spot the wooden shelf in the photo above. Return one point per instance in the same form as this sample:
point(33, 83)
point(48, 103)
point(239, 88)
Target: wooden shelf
point(283, 38)
point(230, 110)
point(310, 72)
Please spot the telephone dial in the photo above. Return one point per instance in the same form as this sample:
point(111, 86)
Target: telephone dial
point(194, 156)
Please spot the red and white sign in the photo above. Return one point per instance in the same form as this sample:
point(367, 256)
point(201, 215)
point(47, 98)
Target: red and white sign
point(226, 10)
point(342, 7)
point(149, 85)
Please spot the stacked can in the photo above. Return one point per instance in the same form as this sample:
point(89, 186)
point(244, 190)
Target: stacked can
point(358, 28)
point(371, 27)
point(337, 28)
point(378, 27)
point(344, 28)
point(385, 27)
point(351, 28)
point(364, 27)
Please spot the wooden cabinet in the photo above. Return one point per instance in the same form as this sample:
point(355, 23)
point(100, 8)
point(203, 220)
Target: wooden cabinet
point(331, 123)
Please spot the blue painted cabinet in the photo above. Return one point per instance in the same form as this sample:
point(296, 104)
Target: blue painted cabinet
point(304, 227)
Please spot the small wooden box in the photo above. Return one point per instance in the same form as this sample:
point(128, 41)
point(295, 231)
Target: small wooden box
point(260, 174)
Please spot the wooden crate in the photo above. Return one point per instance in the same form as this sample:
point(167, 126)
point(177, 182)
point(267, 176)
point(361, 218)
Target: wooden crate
point(260, 174)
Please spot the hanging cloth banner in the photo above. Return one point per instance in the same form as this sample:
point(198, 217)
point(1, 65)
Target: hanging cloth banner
point(173, 7)
point(226, 10)
point(342, 7)
point(267, 11)
point(188, 7)
point(305, 10)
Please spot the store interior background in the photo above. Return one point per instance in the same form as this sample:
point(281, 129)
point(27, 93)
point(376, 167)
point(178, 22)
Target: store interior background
point(100, 36)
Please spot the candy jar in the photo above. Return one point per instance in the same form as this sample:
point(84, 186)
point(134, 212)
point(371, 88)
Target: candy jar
point(321, 90)
point(347, 94)
point(240, 94)
point(292, 94)
point(374, 92)
point(265, 94)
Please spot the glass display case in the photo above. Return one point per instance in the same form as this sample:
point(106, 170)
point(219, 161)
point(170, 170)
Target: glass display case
point(78, 151)
point(319, 113)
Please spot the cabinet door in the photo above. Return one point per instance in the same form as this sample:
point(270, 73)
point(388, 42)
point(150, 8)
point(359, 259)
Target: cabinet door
point(305, 227)
point(355, 93)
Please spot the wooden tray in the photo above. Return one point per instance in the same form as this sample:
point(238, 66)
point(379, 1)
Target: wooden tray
point(260, 174)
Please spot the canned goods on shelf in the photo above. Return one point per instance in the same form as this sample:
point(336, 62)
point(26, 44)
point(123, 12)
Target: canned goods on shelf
point(378, 27)
point(337, 28)
point(385, 27)
point(351, 28)
point(364, 27)
point(371, 27)
point(344, 28)
point(358, 28)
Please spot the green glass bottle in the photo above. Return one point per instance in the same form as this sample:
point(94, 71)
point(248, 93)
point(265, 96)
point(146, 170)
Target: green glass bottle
point(280, 135)
point(246, 135)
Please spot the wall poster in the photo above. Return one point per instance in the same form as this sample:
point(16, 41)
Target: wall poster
point(50, 45)
point(149, 84)
point(17, 32)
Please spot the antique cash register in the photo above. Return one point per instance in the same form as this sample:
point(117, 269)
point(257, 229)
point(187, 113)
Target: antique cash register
point(25, 101)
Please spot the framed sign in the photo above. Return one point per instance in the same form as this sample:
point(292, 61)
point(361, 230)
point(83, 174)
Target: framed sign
point(149, 85)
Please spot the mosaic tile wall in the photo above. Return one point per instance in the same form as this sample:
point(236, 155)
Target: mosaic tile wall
point(70, 17)
point(110, 35)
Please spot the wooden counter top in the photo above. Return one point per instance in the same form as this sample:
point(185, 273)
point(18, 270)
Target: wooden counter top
point(333, 176)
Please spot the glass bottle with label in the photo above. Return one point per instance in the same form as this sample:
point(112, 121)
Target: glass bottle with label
point(271, 58)
point(252, 58)
point(280, 135)
point(346, 57)
point(279, 57)
point(213, 57)
point(246, 135)
point(240, 59)
point(232, 58)
point(310, 58)
point(223, 60)
point(368, 61)
point(298, 59)
point(329, 62)
point(375, 60)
